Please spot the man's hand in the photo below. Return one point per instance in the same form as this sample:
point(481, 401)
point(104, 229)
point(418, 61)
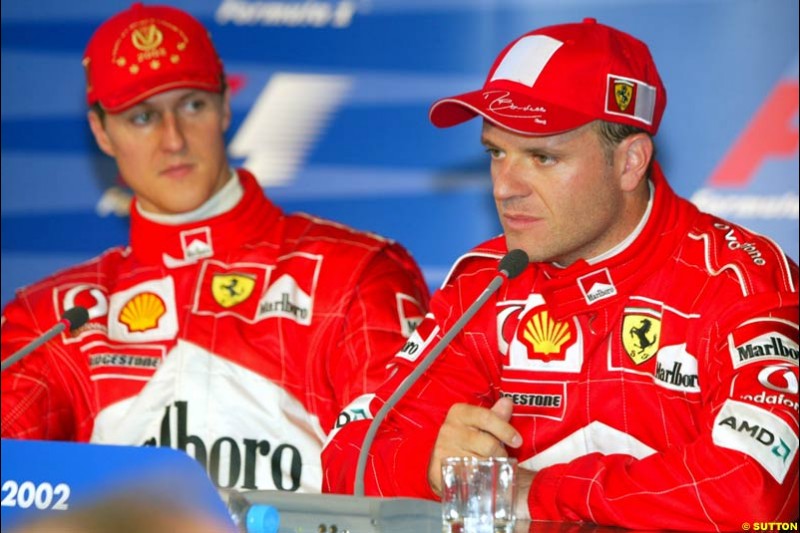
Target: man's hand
point(524, 480)
point(470, 431)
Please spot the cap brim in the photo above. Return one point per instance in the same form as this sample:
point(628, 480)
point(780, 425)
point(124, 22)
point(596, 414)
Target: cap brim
point(507, 109)
point(122, 102)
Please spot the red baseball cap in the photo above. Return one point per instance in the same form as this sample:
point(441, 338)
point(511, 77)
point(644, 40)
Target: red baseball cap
point(146, 50)
point(558, 78)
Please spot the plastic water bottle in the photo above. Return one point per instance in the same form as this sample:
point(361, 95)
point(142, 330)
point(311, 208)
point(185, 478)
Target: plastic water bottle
point(252, 517)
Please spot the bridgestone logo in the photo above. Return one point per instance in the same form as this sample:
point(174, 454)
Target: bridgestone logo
point(114, 359)
point(535, 400)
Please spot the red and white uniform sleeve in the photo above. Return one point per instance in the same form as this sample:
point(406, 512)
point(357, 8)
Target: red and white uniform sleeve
point(386, 305)
point(398, 460)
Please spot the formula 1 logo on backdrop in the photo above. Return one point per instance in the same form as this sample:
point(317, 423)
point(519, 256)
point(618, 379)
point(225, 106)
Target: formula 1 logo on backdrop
point(285, 121)
point(770, 135)
point(287, 13)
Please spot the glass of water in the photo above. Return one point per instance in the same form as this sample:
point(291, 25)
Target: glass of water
point(478, 495)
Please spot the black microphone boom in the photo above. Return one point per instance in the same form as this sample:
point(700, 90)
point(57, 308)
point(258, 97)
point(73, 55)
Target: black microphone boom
point(72, 319)
point(313, 512)
point(513, 263)
point(511, 266)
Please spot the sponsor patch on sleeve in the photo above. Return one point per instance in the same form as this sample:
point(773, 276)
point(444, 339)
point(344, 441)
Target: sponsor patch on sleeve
point(757, 433)
point(763, 339)
point(89, 295)
point(424, 333)
point(772, 385)
point(358, 409)
point(410, 312)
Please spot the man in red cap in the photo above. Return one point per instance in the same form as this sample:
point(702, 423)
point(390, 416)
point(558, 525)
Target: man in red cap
point(643, 368)
point(227, 328)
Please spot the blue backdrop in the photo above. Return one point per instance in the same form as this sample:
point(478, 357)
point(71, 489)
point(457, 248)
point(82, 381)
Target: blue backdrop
point(330, 110)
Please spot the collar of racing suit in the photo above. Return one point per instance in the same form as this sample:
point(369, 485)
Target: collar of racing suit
point(224, 199)
point(184, 244)
point(565, 289)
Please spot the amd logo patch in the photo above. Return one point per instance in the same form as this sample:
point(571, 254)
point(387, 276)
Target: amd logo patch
point(758, 433)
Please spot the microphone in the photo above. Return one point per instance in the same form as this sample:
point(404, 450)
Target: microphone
point(72, 319)
point(312, 512)
point(511, 266)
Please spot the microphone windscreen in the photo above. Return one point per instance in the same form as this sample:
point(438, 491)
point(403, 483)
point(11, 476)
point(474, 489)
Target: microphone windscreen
point(513, 263)
point(76, 316)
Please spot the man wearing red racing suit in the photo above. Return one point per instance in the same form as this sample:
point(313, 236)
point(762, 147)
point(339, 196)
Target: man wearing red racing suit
point(650, 382)
point(227, 328)
point(238, 338)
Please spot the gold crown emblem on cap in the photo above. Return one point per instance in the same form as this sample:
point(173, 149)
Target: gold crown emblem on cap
point(151, 40)
point(145, 39)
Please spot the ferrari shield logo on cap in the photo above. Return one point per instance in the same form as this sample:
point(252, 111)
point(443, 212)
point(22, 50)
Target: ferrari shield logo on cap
point(623, 94)
point(232, 289)
point(628, 97)
point(640, 336)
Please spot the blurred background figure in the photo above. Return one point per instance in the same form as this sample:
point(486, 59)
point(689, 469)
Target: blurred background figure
point(227, 328)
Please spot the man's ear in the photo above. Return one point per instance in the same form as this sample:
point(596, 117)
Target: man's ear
point(633, 157)
point(99, 132)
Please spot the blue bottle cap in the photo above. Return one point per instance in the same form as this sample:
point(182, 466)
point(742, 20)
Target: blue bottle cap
point(262, 519)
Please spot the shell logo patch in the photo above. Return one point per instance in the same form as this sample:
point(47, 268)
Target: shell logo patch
point(640, 336)
point(145, 312)
point(545, 337)
point(530, 338)
point(232, 289)
point(142, 312)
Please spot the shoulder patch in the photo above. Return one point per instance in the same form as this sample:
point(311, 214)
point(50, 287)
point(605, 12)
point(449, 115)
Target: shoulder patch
point(756, 262)
point(763, 339)
point(756, 433)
